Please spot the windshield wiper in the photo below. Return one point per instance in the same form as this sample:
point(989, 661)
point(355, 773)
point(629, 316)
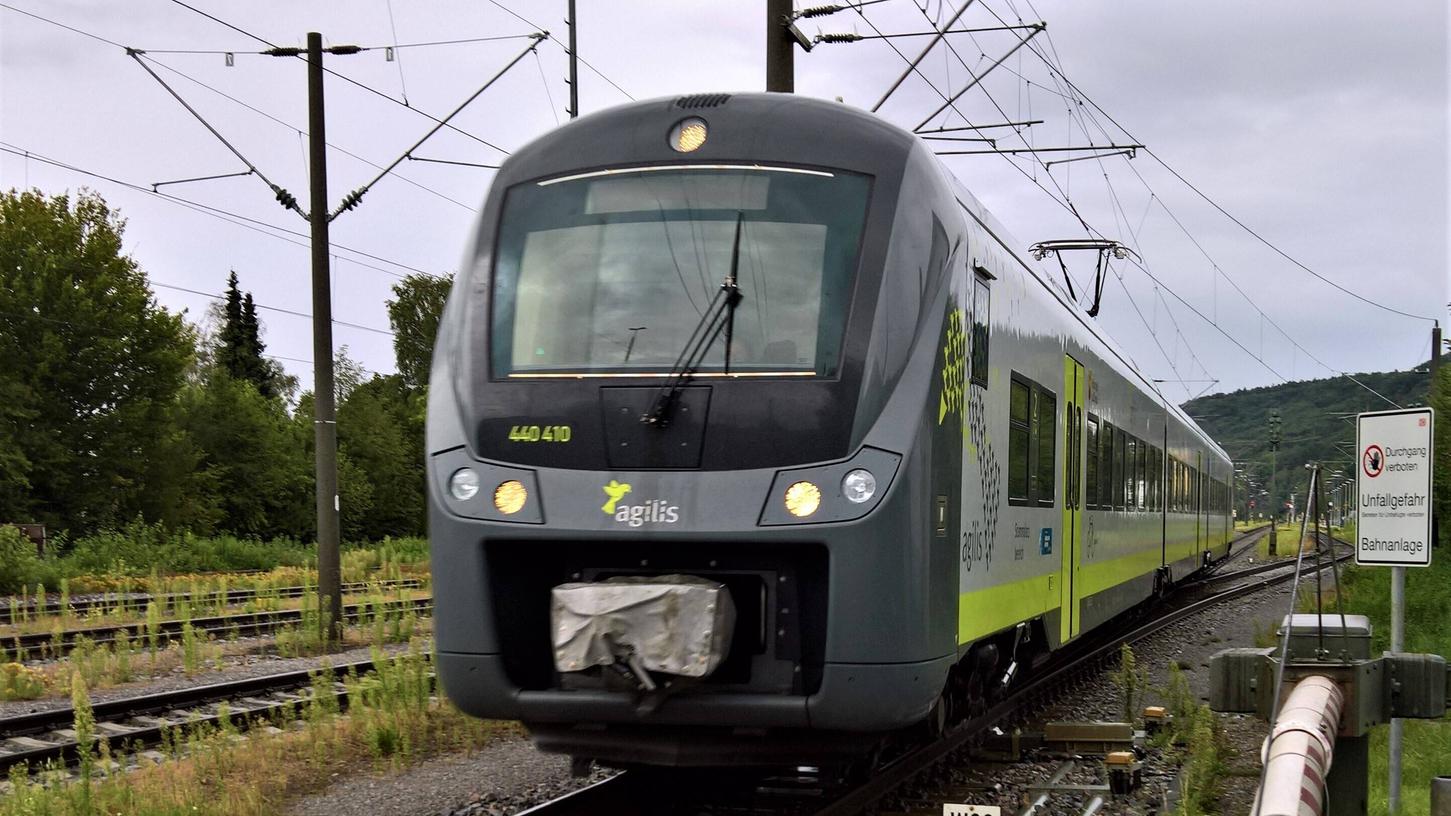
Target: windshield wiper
point(719, 316)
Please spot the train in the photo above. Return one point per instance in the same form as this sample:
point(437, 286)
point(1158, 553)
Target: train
point(753, 439)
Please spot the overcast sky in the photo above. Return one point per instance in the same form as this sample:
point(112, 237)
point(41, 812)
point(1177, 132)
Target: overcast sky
point(1321, 125)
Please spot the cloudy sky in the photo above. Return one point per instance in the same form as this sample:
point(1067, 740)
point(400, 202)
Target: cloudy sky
point(1319, 124)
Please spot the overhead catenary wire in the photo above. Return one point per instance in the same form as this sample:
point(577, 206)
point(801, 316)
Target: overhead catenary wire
point(344, 77)
point(582, 61)
point(284, 198)
point(237, 219)
point(1058, 73)
point(302, 133)
point(277, 309)
point(148, 56)
point(1207, 199)
point(351, 199)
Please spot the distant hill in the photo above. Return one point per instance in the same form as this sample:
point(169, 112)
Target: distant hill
point(1318, 425)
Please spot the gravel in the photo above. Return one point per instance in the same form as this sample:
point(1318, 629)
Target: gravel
point(504, 777)
point(1190, 643)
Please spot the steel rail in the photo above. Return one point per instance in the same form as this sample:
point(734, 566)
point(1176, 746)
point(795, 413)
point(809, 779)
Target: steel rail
point(17, 734)
point(140, 599)
point(244, 624)
point(889, 779)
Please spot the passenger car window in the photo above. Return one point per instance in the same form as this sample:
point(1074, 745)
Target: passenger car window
point(1018, 437)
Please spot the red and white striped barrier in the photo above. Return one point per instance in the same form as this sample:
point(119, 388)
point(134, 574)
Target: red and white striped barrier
point(1298, 751)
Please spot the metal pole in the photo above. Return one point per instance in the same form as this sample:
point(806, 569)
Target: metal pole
point(1398, 644)
point(1274, 500)
point(1435, 368)
point(573, 67)
point(1441, 796)
point(325, 429)
point(780, 59)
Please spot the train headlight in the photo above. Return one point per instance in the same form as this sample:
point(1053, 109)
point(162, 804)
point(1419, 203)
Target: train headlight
point(859, 486)
point(510, 496)
point(802, 499)
point(688, 135)
point(464, 484)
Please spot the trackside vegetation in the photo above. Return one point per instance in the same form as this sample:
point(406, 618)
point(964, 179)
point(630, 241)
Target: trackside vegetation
point(393, 720)
point(119, 417)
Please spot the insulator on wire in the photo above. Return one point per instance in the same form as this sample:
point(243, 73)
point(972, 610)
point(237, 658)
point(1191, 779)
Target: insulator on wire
point(819, 11)
point(285, 198)
point(838, 38)
point(350, 200)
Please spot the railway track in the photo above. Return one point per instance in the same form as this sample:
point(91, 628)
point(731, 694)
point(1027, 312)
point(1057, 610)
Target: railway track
point(57, 644)
point(139, 723)
point(139, 600)
point(642, 792)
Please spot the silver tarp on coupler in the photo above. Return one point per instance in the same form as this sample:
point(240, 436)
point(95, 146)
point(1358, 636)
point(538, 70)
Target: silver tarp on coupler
point(673, 624)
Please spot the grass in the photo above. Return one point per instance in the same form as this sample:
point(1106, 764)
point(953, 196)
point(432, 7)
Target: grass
point(383, 619)
point(1427, 743)
point(176, 607)
point(393, 721)
point(139, 556)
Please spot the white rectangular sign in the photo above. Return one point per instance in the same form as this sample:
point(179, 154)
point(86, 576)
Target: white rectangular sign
point(971, 810)
point(1393, 494)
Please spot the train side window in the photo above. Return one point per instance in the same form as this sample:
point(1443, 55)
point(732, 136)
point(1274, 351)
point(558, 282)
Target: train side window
point(1131, 455)
point(1044, 431)
point(1091, 487)
point(1105, 469)
point(1120, 451)
point(980, 305)
point(1156, 478)
point(1018, 436)
point(1141, 475)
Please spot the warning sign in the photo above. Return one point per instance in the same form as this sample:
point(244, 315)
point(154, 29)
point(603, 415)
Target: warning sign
point(1393, 501)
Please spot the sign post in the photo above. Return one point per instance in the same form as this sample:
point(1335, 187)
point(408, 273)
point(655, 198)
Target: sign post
point(1393, 524)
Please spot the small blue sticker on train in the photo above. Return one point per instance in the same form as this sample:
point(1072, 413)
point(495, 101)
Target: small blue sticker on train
point(1045, 541)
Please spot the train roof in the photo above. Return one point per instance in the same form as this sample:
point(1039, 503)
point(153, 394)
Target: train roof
point(777, 128)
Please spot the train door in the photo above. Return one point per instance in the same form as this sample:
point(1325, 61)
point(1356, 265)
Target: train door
point(1072, 558)
point(1201, 534)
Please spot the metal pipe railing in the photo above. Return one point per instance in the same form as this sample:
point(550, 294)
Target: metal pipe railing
point(1298, 751)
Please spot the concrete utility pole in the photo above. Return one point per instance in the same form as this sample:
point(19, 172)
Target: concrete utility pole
point(324, 422)
point(780, 58)
point(1274, 507)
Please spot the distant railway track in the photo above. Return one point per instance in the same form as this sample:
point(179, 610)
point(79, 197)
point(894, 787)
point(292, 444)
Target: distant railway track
point(642, 791)
point(80, 606)
point(57, 644)
point(46, 737)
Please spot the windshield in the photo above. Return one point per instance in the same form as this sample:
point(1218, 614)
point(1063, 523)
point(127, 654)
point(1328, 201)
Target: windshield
point(610, 272)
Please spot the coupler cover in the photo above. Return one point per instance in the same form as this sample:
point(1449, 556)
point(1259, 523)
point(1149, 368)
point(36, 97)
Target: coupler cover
point(672, 624)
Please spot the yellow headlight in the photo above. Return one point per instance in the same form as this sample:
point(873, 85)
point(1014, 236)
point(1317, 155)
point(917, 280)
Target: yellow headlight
point(688, 135)
point(509, 497)
point(802, 499)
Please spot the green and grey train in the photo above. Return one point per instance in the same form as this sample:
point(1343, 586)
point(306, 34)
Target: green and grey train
point(753, 438)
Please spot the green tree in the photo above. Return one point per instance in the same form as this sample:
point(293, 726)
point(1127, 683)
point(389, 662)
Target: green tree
point(377, 434)
point(239, 343)
point(92, 366)
point(413, 314)
point(253, 457)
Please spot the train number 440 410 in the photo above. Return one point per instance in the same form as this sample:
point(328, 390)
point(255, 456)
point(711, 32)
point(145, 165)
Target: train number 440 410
point(539, 433)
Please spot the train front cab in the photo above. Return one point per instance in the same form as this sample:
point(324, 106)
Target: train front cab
point(847, 617)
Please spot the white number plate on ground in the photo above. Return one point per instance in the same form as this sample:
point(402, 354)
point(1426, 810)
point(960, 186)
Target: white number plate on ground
point(971, 810)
